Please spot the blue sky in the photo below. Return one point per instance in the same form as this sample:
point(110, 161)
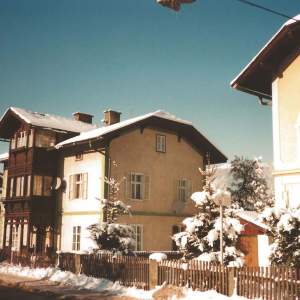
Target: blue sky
point(64, 56)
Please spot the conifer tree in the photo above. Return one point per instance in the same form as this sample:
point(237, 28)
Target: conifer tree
point(284, 225)
point(201, 238)
point(249, 186)
point(109, 235)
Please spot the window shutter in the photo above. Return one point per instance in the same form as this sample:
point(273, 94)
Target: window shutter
point(85, 186)
point(177, 189)
point(71, 184)
point(189, 191)
point(128, 186)
point(146, 187)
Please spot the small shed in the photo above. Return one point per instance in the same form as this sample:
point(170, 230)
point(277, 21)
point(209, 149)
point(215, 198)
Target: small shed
point(253, 241)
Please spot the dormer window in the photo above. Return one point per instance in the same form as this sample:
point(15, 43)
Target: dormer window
point(45, 138)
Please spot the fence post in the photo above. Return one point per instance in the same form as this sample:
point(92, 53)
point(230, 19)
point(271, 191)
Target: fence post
point(153, 274)
point(77, 263)
point(231, 281)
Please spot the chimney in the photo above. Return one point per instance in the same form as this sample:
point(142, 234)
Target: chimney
point(111, 117)
point(86, 118)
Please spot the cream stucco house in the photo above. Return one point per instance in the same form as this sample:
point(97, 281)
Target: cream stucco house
point(274, 75)
point(157, 154)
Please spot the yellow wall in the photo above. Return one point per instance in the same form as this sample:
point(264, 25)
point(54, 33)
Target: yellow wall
point(286, 131)
point(136, 152)
point(289, 105)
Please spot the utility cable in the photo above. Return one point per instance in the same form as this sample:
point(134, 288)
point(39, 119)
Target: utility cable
point(269, 10)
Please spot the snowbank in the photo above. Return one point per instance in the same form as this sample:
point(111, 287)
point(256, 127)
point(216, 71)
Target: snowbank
point(104, 285)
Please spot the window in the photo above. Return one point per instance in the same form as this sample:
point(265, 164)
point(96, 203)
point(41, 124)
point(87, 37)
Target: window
point(14, 237)
point(19, 186)
point(78, 186)
point(138, 236)
point(42, 185)
point(22, 139)
point(137, 186)
point(184, 189)
point(45, 138)
point(79, 156)
point(176, 229)
point(160, 143)
point(28, 182)
point(30, 138)
point(13, 142)
point(76, 238)
point(11, 187)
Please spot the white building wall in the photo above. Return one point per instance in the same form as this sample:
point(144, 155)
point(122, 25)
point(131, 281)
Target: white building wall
point(263, 245)
point(81, 212)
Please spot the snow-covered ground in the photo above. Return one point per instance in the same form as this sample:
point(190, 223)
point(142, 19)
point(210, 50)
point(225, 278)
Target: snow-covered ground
point(103, 285)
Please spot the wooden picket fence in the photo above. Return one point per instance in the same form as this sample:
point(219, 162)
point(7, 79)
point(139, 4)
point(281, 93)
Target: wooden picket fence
point(268, 283)
point(195, 274)
point(127, 270)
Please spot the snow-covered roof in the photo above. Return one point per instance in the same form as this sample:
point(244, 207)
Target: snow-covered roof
point(98, 133)
point(290, 22)
point(104, 130)
point(51, 121)
point(4, 157)
point(251, 216)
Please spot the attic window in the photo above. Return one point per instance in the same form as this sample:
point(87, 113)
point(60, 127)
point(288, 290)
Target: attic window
point(79, 156)
point(160, 143)
point(45, 138)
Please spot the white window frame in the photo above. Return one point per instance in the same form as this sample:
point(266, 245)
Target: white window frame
point(83, 186)
point(161, 143)
point(11, 187)
point(138, 246)
point(184, 190)
point(76, 240)
point(145, 185)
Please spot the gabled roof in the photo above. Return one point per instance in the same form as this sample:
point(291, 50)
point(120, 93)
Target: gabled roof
point(41, 120)
point(159, 119)
point(256, 78)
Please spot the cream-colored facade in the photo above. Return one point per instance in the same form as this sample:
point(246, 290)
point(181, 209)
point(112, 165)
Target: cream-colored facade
point(133, 152)
point(81, 210)
point(274, 75)
point(286, 127)
point(159, 157)
point(136, 152)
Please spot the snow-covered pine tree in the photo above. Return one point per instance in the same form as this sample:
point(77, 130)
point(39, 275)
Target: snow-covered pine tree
point(249, 186)
point(284, 225)
point(201, 238)
point(111, 236)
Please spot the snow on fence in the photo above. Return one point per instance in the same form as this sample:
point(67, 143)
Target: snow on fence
point(267, 283)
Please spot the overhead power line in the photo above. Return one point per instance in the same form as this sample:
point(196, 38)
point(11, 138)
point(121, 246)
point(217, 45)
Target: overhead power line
point(264, 8)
